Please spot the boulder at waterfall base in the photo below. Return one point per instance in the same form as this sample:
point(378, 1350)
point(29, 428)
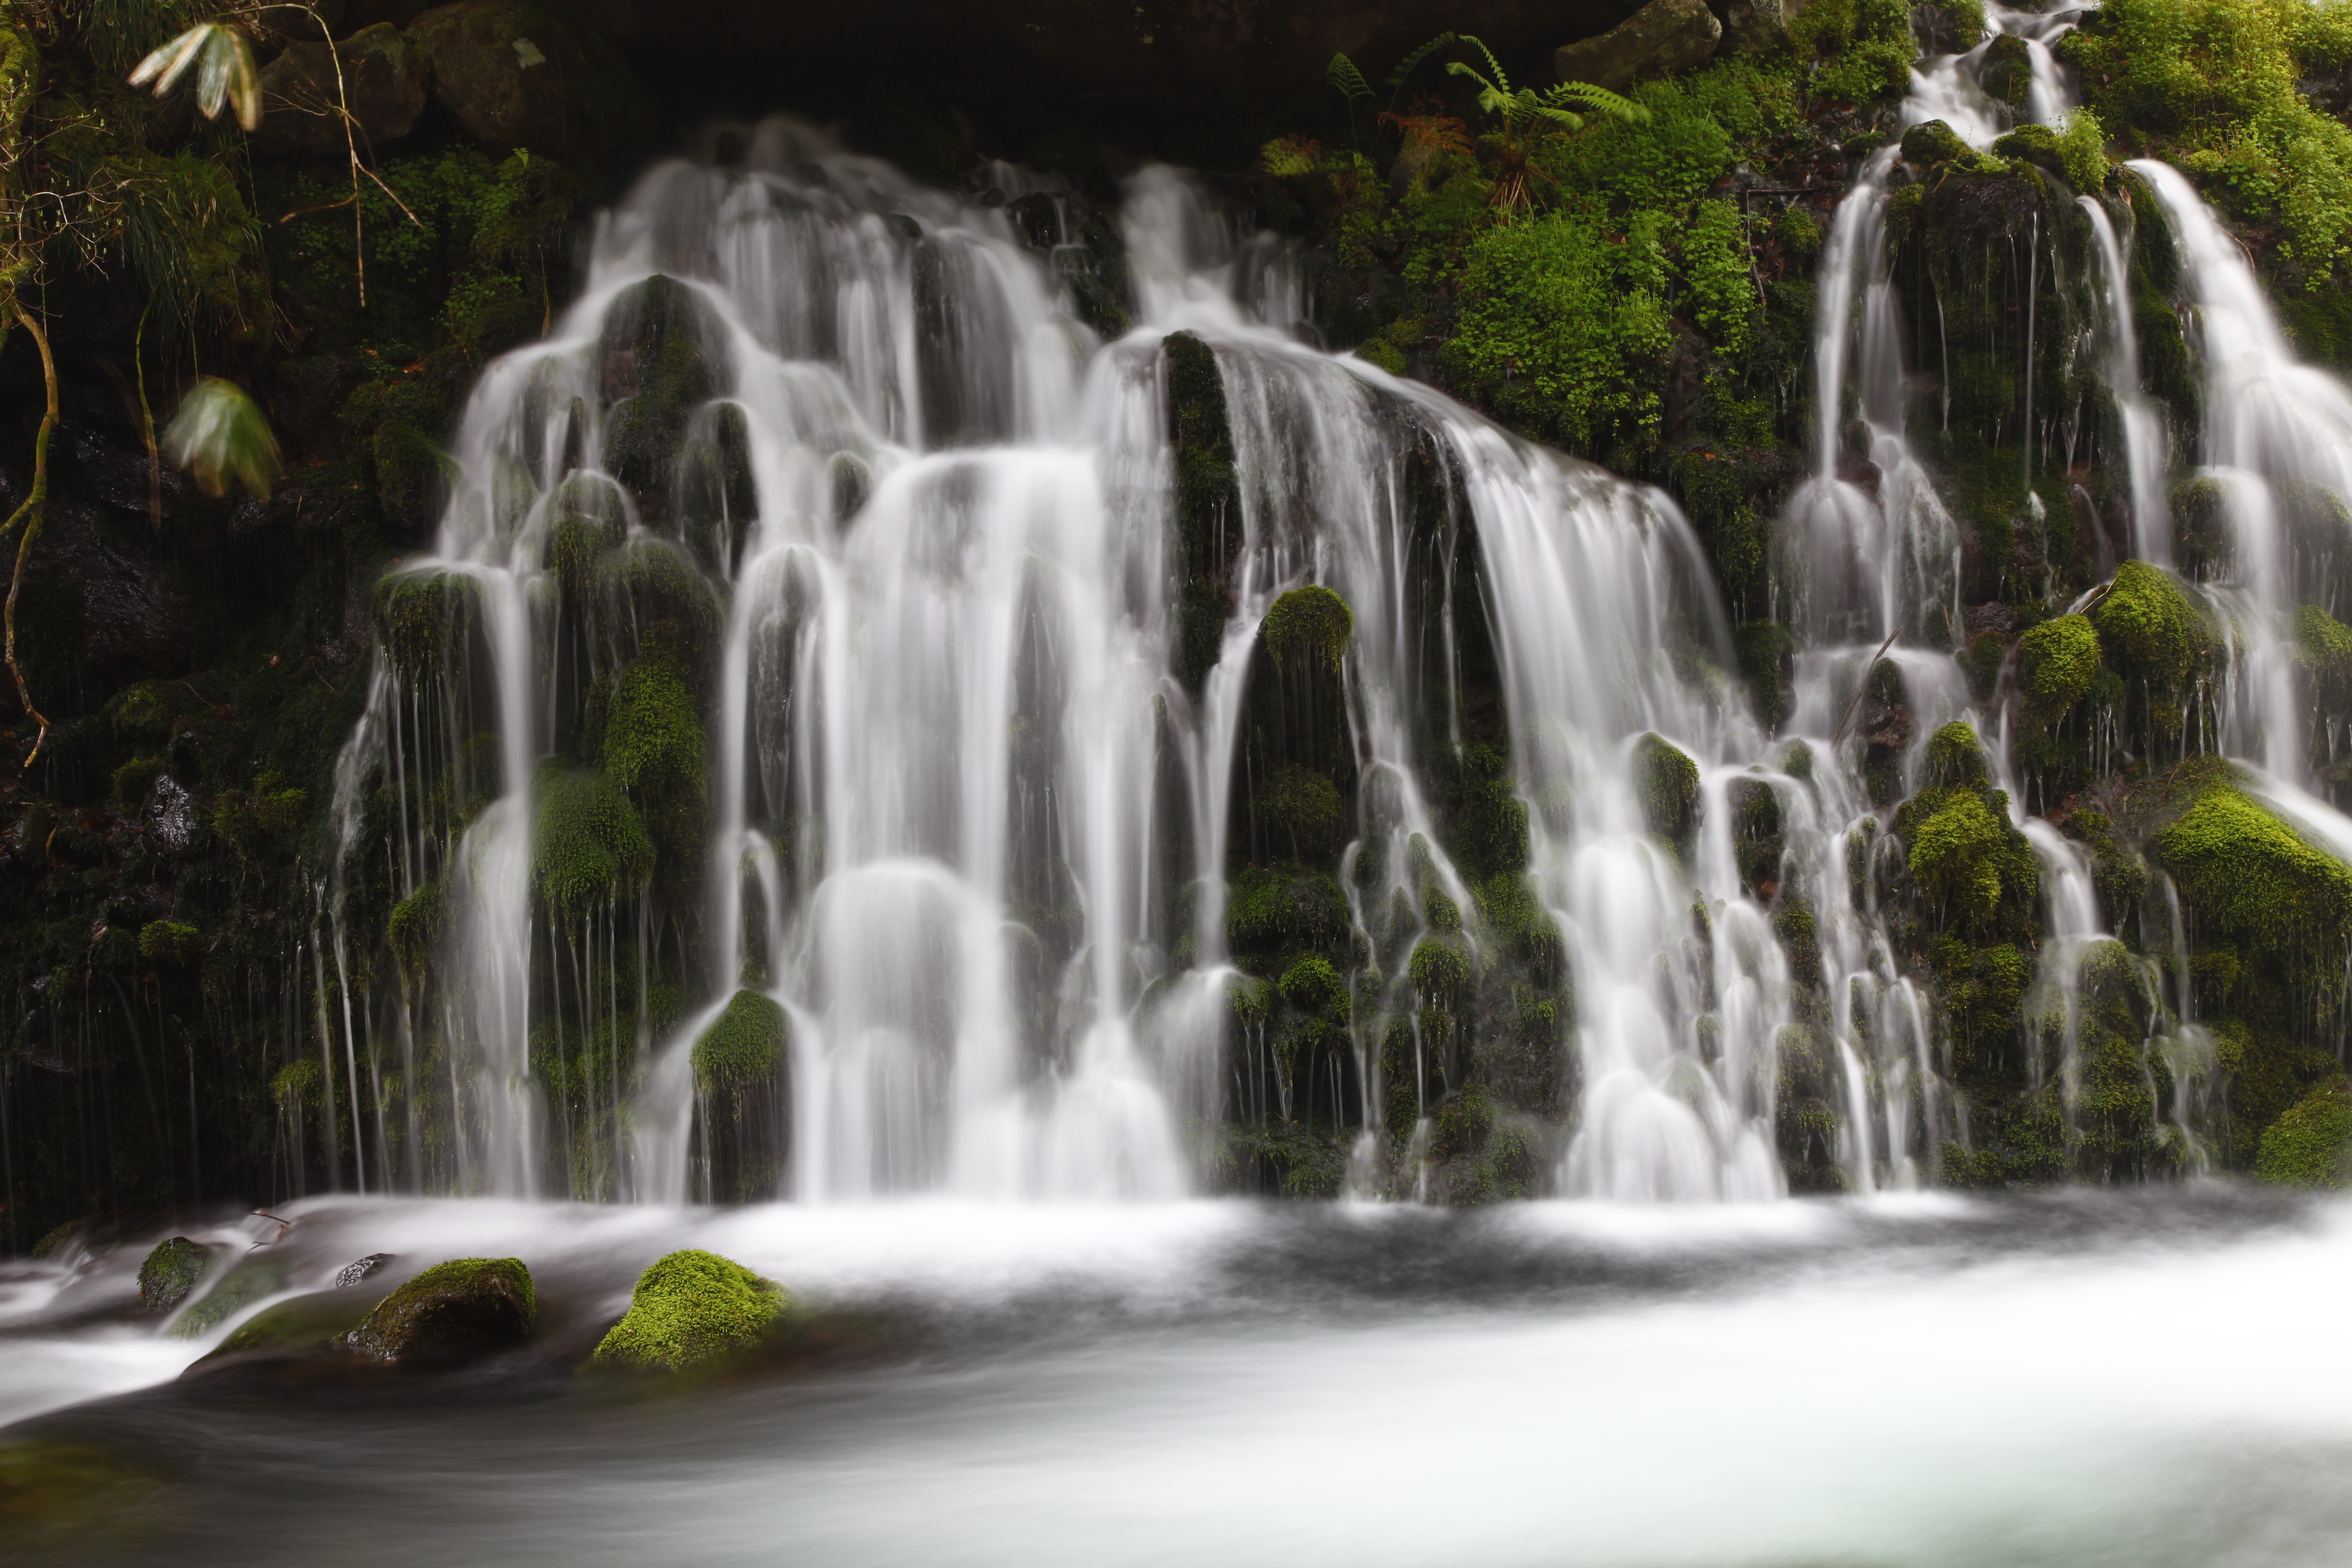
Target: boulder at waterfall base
point(692, 1309)
point(453, 1311)
point(171, 1271)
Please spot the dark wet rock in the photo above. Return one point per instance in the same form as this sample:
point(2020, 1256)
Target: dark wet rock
point(1663, 36)
point(173, 1270)
point(320, 1322)
point(247, 1284)
point(517, 76)
point(384, 76)
point(353, 1273)
point(453, 1311)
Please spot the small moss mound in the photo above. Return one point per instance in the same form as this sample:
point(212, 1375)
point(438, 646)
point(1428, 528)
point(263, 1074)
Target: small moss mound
point(2310, 1145)
point(1666, 783)
point(1937, 143)
point(1309, 627)
point(1315, 988)
point(689, 1310)
point(1274, 911)
point(2150, 627)
point(2059, 662)
point(2246, 871)
point(171, 1271)
point(417, 923)
point(743, 1045)
point(589, 847)
point(170, 942)
point(418, 617)
point(468, 1306)
point(1438, 970)
point(1956, 758)
point(1954, 859)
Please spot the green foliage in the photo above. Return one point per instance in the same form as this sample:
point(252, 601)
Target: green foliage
point(1563, 326)
point(2059, 663)
point(742, 1048)
point(221, 436)
point(2244, 871)
point(2083, 144)
point(588, 848)
point(1307, 627)
point(2311, 1144)
point(170, 942)
point(692, 1309)
point(2325, 645)
point(1722, 285)
point(135, 779)
point(221, 55)
point(2214, 86)
point(1666, 784)
point(264, 818)
point(1525, 108)
point(653, 741)
point(1864, 48)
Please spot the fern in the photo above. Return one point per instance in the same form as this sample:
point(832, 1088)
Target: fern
point(1405, 66)
point(1342, 75)
point(222, 57)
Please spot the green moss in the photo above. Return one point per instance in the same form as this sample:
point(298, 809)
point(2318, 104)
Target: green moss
point(1438, 969)
point(1934, 143)
point(420, 617)
point(1313, 987)
point(1666, 784)
point(674, 352)
point(2150, 627)
point(1864, 47)
point(2326, 644)
point(241, 1288)
point(1309, 627)
point(2059, 662)
point(2245, 870)
point(1275, 912)
point(135, 779)
point(588, 846)
point(463, 1307)
point(1302, 809)
point(2311, 1144)
point(1967, 857)
point(319, 1321)
point(1956, 758)
point(419, 922)
point(585, 523)
point(743, 1046)
point(171, 1270)
point(1208, 503)
point(692, 1309)
point(170, 942)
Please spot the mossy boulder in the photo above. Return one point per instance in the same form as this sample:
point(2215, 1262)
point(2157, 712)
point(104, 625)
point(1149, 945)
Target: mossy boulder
point(1277, 911)
point(665, 356)
point(654, 749)
point(2310, 1145)
point(1439, 969)
point(453, 1311)
point(2324, 645)
point(1208, 504)
point(588, 846)
point(171, 1270)
point(586, 521)
point(2150, 627)
point(380, 72)
point(515, 75)
point(2058, 662)
point(321, 1320)
point(693, 1310)
point(1935, 142)
point(1308, 627)
point(1955, 758)
point(743, 1046)
point(2245, 871)
point(1665, 781)
point(2035, 144)
point(1302, 810)
point(420, 617)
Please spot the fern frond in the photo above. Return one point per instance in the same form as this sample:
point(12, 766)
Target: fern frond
point(225, 74)
point(1600, 101)
point(1342, 74)
point(1502, 78)
point(1405, 66)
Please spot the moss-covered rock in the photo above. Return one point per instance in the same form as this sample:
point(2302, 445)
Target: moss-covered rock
point(1666, 783)
point(2310, 1145)
point(453, 1311)
point(1307, 627)
point(1955, 758)
point(319, 1322)
point(418, 923)
point(1276, 910)
point(588, 846)
point(1934, 143)
point(515, 74)
point(1438, 969)
point(585, 523)
point(693, 1310)
point(2150, 629)
point(666, 356)
point(421, 620)
point(2246, 871)
point(171, 1271)
point(1208, 504)
point(2058, 662)
point(743, 1047)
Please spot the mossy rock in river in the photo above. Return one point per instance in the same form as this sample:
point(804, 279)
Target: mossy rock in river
point(171, 1271)
point(692, 1309)
point(2311, 1144)
point(1666, 782)
point(2244, 871)
point(244, 1285)
point(464, 1307)
point(323, 1320)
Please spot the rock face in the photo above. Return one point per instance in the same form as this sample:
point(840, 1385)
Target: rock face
point(515, 75)
point(452, 1312)
point(1663, 36)
point(693, 1309)
point(1755, 26)
point(352, 1273)
point(384, 75)
point(171, 1271)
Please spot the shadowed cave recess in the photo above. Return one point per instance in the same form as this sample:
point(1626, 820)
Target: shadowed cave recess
point(1110, 611)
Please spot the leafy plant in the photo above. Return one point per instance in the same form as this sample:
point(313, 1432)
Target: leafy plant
point(221, 436)
point(1525, 113)
point(222, 57)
